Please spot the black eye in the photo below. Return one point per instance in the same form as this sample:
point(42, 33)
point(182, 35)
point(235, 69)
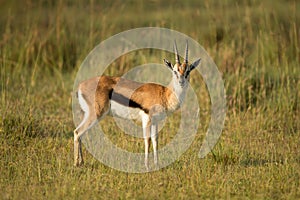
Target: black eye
point(176, 73)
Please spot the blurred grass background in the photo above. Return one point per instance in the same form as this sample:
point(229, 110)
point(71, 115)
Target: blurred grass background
point(256, 46)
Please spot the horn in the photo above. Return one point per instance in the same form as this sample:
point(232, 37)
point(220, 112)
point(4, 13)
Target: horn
point(176, 53)
point(186, 52)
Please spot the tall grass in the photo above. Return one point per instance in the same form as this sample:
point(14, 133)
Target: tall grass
point(256, 46)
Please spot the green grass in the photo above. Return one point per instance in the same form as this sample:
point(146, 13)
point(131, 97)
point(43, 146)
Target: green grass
point(256, 46)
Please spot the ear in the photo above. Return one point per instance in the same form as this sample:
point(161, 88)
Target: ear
point(195, 64)
point(168, 64)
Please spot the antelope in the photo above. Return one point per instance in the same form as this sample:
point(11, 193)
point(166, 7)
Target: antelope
point(148, 102)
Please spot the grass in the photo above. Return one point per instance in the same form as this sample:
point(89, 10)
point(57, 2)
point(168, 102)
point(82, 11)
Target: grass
point(256, 46)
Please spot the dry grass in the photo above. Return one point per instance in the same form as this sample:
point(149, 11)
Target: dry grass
point(256, 47)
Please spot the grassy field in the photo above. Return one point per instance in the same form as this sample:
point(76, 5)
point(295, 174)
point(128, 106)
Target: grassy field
point(255, 44)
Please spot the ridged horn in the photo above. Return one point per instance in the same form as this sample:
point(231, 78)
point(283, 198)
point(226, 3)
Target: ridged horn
point(176, 53)
point(186, 52)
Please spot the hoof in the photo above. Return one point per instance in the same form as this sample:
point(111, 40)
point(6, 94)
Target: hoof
point(78, 164)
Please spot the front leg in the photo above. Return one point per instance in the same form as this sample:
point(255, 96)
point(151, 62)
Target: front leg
point(147, 145)
point(154, 139)
point(146, 134)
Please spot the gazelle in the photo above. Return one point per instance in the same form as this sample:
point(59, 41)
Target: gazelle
point(124, 98)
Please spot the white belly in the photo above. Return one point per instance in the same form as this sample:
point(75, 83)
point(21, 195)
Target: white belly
point(125, 112)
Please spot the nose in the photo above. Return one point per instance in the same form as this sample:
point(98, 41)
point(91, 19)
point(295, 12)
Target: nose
point(181, 82)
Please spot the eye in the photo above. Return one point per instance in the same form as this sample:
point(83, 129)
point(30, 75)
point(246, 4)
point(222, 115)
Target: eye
point(176, 73)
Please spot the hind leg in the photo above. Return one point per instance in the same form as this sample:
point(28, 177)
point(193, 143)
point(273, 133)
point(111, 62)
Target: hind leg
point(93, 111)
point(87, 123)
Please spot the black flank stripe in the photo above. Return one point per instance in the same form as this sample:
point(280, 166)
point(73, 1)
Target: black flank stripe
point(121, 99)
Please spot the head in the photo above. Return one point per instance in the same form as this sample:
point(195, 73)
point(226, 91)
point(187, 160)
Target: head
point(181, 71)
